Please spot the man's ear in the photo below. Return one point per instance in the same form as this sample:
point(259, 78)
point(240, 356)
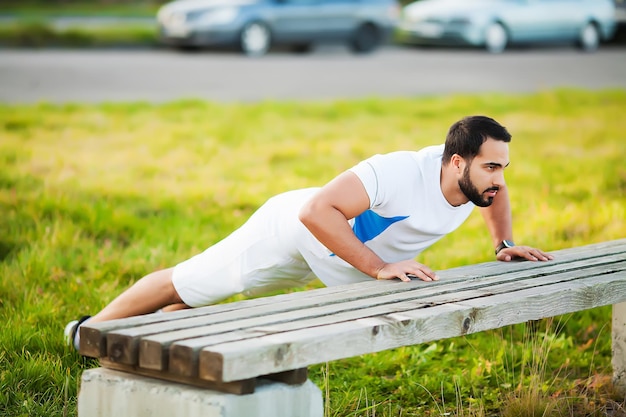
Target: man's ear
point(458, 163)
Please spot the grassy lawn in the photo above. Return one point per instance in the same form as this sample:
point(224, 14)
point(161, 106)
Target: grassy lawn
point(31, 24)
point(39, 34)
point(92, 197)
point(45, 8)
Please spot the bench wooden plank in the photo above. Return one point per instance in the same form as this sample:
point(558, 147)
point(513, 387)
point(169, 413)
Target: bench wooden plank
point(94, 336)
point(153, 340)
point(246, 386)
point(184, 354)
point(274, 333)
point(293, 377)
point(275, 352)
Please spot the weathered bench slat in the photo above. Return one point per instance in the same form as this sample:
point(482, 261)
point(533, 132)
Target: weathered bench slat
point(123, 344)
point(246, 386)
point(272, 353)
point(153, 348)
point(93, 337)
point(184, 354)
point(278, 335)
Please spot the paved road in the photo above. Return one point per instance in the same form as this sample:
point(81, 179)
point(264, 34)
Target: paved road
point(28, 76)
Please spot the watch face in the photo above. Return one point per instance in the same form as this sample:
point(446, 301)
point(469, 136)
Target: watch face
point(508, 243)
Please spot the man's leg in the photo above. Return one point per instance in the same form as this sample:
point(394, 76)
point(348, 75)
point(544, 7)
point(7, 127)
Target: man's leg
point(175, 307)
point(150, 293)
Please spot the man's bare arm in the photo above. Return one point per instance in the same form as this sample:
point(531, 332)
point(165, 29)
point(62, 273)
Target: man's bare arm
point(500, 225)
point(498, 217)
point(326, 215)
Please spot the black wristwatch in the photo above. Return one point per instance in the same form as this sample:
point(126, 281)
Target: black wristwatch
point(504, 244)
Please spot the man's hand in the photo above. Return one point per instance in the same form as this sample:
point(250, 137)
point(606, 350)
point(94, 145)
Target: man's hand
point(525, 252)
point(403, 269)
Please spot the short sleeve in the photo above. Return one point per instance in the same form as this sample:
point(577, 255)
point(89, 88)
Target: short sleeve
point(385, 176)
point(367, 174)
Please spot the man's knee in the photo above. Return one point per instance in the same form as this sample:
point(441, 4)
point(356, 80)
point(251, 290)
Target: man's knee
point(163, 279)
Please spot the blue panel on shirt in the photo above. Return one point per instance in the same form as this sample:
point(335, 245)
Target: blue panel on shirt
point(368, 225)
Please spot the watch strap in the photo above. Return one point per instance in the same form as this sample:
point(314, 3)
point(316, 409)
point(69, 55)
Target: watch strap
point(504, 244)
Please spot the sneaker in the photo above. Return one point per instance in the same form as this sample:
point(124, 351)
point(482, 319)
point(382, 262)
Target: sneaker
point(71, 331)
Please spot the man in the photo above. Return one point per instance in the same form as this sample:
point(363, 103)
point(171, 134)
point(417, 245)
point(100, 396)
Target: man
point(369, 222)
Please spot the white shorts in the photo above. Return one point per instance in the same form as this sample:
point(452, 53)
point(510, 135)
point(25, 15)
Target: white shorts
point(258, 257)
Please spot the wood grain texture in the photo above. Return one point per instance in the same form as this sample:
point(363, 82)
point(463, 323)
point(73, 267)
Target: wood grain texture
point(284, 334)
point(238, 387)
point(94, 335)
point(184, 353)
point(276, 352)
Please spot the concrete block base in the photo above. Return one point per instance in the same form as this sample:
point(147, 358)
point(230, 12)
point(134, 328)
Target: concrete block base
point(108, 393)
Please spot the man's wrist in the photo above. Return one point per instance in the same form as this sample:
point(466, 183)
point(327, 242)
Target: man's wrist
point(504, 244)
point(377, 270)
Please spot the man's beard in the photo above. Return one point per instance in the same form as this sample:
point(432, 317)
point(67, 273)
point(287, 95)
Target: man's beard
point(472, 193)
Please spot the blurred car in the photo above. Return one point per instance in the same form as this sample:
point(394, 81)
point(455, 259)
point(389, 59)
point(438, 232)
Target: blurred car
point(495, 24)
point(620, 13)
point(256, 25)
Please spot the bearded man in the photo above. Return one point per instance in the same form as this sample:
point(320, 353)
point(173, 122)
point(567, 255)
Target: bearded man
point(369, 222)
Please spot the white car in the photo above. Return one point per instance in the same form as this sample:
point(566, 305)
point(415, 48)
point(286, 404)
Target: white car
point(495, 24)
point(256, 25)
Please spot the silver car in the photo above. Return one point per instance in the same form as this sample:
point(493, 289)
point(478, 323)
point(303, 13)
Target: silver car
point(495, 24)
point(256, 25)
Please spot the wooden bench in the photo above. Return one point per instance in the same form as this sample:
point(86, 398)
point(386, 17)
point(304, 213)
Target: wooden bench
point(227, 347)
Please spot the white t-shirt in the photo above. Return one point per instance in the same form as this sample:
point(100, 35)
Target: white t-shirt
point(273, 249)
point(408, 213)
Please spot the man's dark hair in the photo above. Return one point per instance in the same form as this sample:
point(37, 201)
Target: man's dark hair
point(467, 135)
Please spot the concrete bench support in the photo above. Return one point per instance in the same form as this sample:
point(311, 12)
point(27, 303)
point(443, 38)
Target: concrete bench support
point(108, 393)
point(619, 347)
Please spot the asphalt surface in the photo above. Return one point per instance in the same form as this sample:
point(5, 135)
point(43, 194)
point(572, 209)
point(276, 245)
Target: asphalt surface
point(329, 73)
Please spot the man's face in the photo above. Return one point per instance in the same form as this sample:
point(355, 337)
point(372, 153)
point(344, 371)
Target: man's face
point(483, 176)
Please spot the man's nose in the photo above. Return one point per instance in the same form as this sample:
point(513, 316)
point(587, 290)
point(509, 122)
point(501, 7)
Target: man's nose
point(499, 178)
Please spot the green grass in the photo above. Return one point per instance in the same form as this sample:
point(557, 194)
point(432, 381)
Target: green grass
point(40, 34)
point(33, 24)
point(29, 9)
point(92, 197)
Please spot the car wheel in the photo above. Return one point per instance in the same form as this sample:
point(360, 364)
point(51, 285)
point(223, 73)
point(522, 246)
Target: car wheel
point(496, 38)
point(589, 38)
point(255, 39)
point(366, 38)
point(302, 48)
